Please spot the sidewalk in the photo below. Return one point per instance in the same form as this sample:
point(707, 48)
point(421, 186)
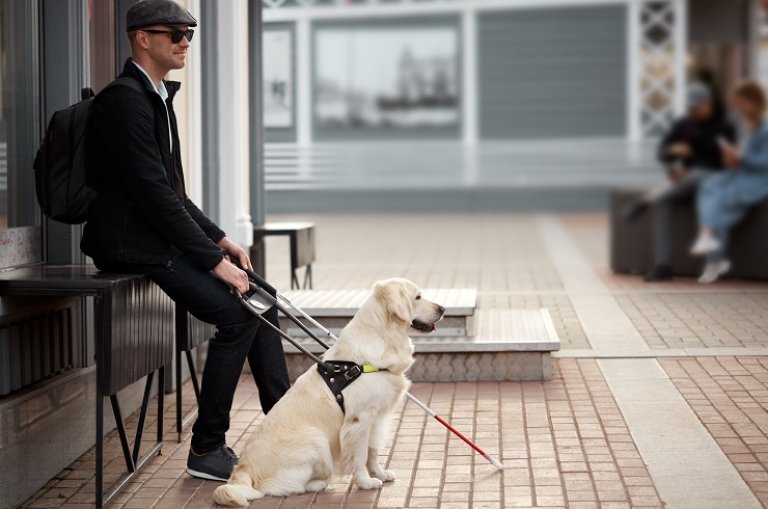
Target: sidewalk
point(658, 398)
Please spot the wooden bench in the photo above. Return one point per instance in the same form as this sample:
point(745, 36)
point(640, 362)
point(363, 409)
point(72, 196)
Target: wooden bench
point(134, 333)
point(302, 239)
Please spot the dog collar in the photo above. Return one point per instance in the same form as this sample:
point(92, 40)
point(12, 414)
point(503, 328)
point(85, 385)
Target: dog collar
point(337, 375)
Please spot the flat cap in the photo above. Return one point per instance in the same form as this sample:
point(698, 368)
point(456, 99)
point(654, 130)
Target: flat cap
point(157, 12)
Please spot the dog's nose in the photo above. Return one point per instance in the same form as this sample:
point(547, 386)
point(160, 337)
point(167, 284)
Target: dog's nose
point(441, 310)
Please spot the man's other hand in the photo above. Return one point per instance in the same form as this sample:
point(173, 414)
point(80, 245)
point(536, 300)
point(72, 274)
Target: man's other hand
point(236, 252)
point(233, 276)
point(731, 155)
point(679, 150)
point(677, 174)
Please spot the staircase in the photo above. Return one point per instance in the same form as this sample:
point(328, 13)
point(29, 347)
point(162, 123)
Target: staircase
point(470, 344)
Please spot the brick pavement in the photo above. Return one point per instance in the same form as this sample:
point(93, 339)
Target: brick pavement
point(501, 255)
point(730, 397)
point(495, 252)
point(563, 443)
point(702, 319)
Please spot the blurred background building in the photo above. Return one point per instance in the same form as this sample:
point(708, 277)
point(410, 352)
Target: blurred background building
point(478, 104)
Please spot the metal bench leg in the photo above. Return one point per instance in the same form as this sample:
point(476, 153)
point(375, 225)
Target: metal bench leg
point(133, 465)
point(181, 419)
point(142, 416)
point(129, 463)
point(193, 375)
point(99, 448)
point(294, 280)
point(160, 407)
point(308, 276)
point(178, 396)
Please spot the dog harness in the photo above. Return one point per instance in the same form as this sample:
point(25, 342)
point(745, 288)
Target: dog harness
point(339, 374)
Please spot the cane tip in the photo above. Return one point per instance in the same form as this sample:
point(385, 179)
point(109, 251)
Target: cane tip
point(496, 463)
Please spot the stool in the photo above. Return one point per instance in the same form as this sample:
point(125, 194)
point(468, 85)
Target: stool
point(302, 238)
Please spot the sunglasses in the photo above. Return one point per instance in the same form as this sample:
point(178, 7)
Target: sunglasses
point(176, 35)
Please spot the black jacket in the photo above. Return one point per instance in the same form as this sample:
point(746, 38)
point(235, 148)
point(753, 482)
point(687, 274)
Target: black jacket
point(142, 208)
point(702, 138)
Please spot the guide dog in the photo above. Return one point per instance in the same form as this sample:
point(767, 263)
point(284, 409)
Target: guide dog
point(308, 437)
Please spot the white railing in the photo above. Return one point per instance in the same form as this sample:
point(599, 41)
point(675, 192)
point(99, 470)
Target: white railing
point(429, 165)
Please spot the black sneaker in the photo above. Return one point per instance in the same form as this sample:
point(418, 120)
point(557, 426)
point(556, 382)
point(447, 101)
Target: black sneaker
point(635, 210)
point(215, 465)
point(658, 274)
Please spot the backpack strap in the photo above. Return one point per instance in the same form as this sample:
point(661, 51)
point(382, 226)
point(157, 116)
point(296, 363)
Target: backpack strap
point(125, 81)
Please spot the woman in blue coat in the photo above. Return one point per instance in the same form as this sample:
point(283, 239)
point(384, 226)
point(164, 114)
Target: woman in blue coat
point(724, 198)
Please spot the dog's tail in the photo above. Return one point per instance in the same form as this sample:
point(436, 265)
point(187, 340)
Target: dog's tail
point(238, 492)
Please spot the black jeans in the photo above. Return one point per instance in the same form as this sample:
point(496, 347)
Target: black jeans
point(239, 335)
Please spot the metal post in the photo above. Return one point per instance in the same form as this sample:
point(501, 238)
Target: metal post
point(256, 122)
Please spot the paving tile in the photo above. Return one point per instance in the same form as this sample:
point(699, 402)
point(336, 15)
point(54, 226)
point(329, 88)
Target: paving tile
point(513, 420)
point(730, 409)
point(699, 320)
point(564, 442)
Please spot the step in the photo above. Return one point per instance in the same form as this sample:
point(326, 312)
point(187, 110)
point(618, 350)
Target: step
point(335, 308)
point(504, 345)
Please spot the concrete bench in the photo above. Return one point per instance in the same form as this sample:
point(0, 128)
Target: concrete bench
point(470, 344)
point(134, 336)
point(632, 243)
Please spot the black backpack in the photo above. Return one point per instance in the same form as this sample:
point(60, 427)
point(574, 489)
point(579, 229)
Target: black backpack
point(61, 176)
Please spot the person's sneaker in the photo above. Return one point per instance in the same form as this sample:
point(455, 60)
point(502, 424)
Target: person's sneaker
point(659, 273)
point(705, 244)
point(215, 465)
point(635, 210)
point(713, 270)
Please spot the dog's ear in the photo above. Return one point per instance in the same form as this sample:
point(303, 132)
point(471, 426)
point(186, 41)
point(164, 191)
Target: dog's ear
point(394, 298)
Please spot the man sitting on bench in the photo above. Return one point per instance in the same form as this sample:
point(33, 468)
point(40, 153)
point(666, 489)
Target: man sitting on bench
point(143, 222)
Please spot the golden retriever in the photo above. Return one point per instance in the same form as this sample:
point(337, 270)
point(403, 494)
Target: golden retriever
point(306, 438)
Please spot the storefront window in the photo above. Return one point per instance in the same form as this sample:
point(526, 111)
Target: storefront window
point(395, 78)
point(20, 117)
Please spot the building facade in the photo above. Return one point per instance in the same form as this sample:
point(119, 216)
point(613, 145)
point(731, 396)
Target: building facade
point(365, 96)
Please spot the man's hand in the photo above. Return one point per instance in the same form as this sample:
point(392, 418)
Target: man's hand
point(677, 174)
point(679, 150)
point(233, 276)
point(731, 155)
point(236, 252)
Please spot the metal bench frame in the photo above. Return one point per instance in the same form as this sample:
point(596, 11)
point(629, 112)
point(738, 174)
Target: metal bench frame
point(111, 293)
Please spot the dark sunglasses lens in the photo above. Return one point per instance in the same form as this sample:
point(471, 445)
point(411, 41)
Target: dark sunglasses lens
point(177, 35)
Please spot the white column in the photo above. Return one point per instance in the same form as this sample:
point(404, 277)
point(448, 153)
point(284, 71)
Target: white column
point(469, 99)
point(234, 136)
point(189, 112)
point(680, 27)
point(634, 71)
point(303, 82)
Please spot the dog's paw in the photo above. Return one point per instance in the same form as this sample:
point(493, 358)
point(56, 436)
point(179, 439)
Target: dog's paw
point(369, 483)
point(384, 475)
point(316, 486)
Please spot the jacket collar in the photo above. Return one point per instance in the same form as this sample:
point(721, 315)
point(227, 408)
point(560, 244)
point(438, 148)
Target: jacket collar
point(129, 69)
